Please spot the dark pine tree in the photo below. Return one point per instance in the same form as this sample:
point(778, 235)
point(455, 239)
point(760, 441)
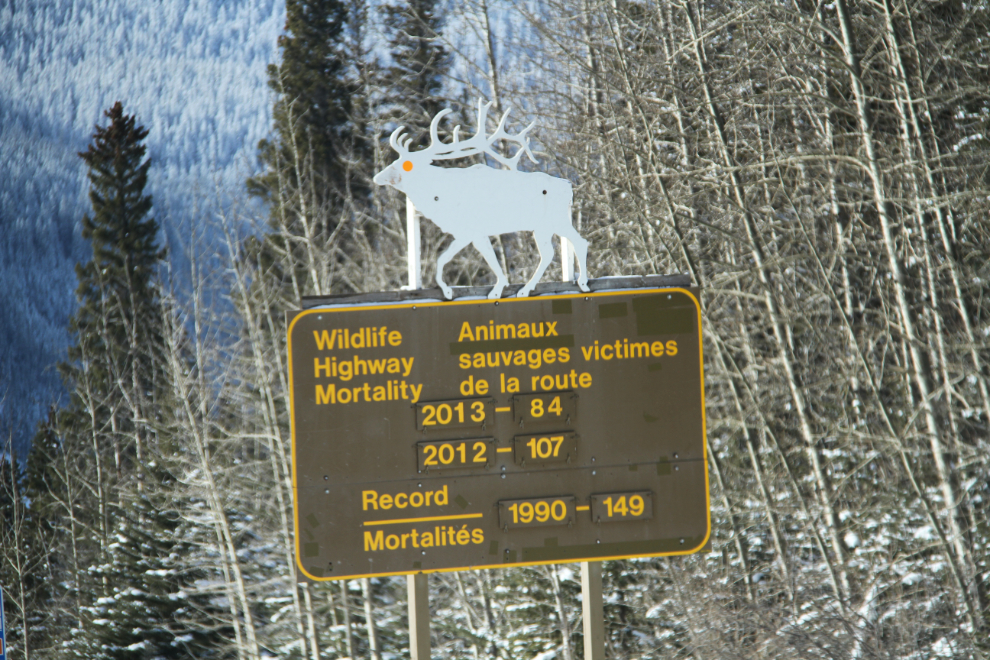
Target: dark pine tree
point(113, 373)
point(318, 161)
point(91, 458)
point(420, 63)
point(312, 116)
point(156, 605)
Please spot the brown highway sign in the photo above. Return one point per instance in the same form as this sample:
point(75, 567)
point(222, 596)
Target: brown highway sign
point(432, 436)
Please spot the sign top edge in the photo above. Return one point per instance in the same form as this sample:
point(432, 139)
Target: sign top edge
point(480, 293)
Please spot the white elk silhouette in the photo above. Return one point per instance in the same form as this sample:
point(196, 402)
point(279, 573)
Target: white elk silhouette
point(476, 202)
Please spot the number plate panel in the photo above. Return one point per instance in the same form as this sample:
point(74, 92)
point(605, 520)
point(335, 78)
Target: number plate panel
point(455, 414)
point(529, 512)
point(542, 448)
point(558, 408)
point(635, 505)
point(455, 454)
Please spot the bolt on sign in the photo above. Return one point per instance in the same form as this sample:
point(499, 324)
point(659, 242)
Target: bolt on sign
point(432, 436)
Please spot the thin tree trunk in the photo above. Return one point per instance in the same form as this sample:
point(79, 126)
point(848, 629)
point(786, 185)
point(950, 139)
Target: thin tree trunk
point(565, 625)
point(369, 620)
point(345, 598)
point(780, 336)
point(917, 364)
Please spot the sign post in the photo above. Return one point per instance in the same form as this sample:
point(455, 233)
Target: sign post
point(419, 616)
point(593, 610)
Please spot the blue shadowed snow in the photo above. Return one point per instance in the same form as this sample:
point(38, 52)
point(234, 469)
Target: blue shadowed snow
point(194, 73)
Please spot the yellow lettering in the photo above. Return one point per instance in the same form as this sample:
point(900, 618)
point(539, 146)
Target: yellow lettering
point(642, 349)
point(436, 498)
point(671, 348)
point(317, 367)
point(369, 497)
point(508, 329)
point(563, 355)
point(534, 358)
point(401, 501)
point(325, 341)
point(373, 542)
point(466, 333)
point(385, 502)
point(584, 380)
point(465, 360)
point(394, 338)
point(326, 394)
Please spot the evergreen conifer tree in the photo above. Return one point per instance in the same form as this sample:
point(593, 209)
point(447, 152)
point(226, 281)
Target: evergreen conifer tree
point(414, 82)
point(89, 458)
point(312, 115)
point(155, 606)
point(117, 327)
point(318, 163)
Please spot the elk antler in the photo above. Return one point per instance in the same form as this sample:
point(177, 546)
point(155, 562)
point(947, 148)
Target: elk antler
point(476, 144)
point(402, 148)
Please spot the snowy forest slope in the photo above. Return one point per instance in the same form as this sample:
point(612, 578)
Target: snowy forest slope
point(193, 71)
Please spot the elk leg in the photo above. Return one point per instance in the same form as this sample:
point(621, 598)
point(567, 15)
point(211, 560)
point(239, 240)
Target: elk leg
point(581, 250)
point(544, 243)
point(484, 246)
point(448, 254)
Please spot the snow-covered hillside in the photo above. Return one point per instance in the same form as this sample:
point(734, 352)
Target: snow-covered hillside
point(194, 73)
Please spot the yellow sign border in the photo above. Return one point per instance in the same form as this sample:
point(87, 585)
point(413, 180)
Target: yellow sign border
point(596, 294)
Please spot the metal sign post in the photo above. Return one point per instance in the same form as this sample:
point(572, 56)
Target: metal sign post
point(593, 610)
point(419, 616)
point(413, 252)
